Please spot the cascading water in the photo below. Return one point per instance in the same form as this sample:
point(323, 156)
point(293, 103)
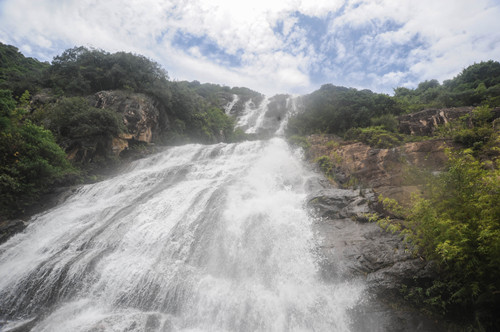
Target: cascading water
point(230, 105)
point(195, 238)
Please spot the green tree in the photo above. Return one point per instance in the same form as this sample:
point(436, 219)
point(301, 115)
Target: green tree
point(458, 224)
point(30, 159)
point(80, 127)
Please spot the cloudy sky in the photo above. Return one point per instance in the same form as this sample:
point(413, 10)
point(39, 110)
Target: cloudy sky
point(271, 46)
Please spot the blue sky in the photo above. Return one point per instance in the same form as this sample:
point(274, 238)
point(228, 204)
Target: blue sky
point(289, 46)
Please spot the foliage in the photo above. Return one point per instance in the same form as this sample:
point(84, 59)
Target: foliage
point(18, 73)
point(387, 122)
point(478, 84)
point(325, 165)
point(30, 159)
point(77, 125)
point(376, 137)
point(458, 224)
point(334, 110)
point(192, 105)
point(472, 130)
point(83, 71)
point(201, 120)
point(213, 125)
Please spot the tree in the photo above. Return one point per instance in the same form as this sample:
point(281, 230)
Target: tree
point(30, 159)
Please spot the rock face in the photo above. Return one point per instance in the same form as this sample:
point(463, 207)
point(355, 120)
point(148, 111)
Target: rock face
point(352, 248)
point(140, 116)
point(425, 122)
point(388, 171)
point(365, 250)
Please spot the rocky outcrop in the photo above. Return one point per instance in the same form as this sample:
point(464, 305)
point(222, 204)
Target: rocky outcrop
point(139, 112)
point(424, 123)
point(351, 248)
point(392, 173)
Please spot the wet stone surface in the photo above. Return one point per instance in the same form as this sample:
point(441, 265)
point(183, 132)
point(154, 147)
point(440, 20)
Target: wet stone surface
point(350, 247)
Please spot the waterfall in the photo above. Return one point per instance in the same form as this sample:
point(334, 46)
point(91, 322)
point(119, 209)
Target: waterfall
point(230, 105)
point(194, 238)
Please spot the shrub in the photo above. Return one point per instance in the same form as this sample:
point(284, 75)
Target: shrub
point(376, 137)
point(30, 161)
point(387, 122)
point(325, 165)
point(458, 225)
point(77, 125)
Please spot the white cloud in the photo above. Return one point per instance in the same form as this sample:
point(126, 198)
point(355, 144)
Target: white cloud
point(378, 44)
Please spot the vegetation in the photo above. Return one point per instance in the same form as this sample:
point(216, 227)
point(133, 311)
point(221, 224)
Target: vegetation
point(18, 73)
point(457, 223)
point(325, 165)
point(30, 159)
point(376, 137)
point(478, 84)
point(334, 110)
point(300, 141)
point(473, 130)
point(80, 127)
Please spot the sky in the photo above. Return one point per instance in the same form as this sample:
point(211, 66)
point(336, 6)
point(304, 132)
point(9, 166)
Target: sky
point(271, 46)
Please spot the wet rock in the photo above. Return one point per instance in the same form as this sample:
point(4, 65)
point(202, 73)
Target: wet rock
point(352, 248)
point(340, 203)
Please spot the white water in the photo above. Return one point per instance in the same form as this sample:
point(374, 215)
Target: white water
point(195, 238)
point(253, 116)
point(292, 108)
point(230, 105)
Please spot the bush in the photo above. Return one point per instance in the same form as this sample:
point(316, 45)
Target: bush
point(30, 161)
point(376, 137)
point(473, 137)
point(458, 225)
point(77, 125)
point(387, 122)
point(325, 165)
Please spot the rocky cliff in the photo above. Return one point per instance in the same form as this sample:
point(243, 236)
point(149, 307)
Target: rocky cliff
point(365, 251)
point(425, 123)
point(139, 113)
point(392, 173)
